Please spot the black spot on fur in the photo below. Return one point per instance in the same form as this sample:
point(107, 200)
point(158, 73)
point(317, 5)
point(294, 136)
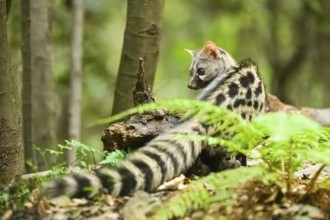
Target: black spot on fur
point(246, 80)
point(233, 90)
point(230, 107)
point(210, 91)
point(249, 103)
point(246, 63)
point(250, 117)
point(239, 102)
point(255, 105)
point(220, 99)
point(261, 106)
point(243, 115)
point(128, 181)
point(248, 94)
point(258, 90)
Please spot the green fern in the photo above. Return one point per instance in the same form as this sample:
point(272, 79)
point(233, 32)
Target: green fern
point(113, 158)
point(216, 188)
point(172, 106)
point(284, 138)
point(284, 142)
point(83, 152)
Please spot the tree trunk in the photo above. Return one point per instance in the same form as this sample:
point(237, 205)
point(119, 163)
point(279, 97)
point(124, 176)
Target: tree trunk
point(141, 39)
point(11, 149)
point(75, 73)
point(321, 64)
point(38, 83)
point(285, 70)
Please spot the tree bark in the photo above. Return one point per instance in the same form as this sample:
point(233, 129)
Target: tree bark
point(11, 149)
point(75, 73)
point(141, 39)
point(38, 83)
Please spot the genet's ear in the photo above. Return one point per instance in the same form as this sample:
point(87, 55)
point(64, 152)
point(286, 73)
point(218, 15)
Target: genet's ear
point(191, 52)
point(211, 49)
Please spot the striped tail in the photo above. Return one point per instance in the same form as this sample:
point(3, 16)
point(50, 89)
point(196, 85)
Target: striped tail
point(162, 159)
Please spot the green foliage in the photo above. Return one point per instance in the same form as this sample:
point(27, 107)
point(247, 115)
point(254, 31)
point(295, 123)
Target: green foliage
point(113, 158)
point(325, 184)
point(280, 137)
point(214, 189)
point(16, 195)
point(83, 152)
point(292, 138)
point(174, 106)
point(283, 141)
point(23, 190)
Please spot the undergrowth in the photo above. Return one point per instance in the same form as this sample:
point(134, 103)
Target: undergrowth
point(18, 192)
point(282, 141)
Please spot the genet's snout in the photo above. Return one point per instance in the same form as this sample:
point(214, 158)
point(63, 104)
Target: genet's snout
point(192, 85)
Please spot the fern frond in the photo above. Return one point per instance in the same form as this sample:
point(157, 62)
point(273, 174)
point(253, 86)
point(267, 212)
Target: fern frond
point(190, 106)
point(214, 188)
point(114, 157)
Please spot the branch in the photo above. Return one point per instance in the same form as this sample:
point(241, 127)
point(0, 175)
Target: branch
point(320, 115)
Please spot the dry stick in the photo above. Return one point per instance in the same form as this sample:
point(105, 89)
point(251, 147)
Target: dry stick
point(311, 184)
point(32, 176)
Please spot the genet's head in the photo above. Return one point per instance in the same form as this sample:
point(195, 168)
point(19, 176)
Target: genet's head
point(207, 64)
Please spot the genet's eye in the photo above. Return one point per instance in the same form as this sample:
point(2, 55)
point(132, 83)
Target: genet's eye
point(201, 71)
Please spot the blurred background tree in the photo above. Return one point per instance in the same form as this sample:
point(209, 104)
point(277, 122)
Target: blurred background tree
point(288, 39)
point(38, 86)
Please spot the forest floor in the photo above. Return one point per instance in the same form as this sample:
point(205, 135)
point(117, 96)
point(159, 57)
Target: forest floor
point(254, 200)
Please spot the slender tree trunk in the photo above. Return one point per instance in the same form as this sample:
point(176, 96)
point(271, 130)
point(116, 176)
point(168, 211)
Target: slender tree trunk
point(11, 148)
point(322, 65)
point(29, 152)
point(141, 39)
point(75, 72)
point(38, 83)
point(285, 70)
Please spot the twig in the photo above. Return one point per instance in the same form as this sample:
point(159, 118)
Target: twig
point(311, 184)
